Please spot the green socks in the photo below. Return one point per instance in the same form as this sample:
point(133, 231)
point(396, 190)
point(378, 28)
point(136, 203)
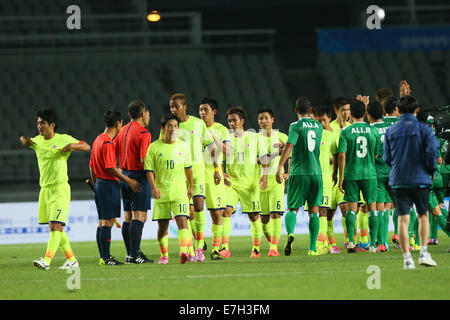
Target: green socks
point(350, 220)
point(290, 220)
point(373, 227)
point(380, 227)
point(313, 230)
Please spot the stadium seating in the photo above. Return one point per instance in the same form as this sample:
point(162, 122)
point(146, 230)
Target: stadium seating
point(82, 87)
point(364, 73)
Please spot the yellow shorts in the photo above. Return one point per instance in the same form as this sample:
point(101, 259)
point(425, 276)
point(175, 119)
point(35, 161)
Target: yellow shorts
point(248, 197)
point(215, 196)
point(338, 197)
point(272, 199)
point(164, 210)
point(54, 202)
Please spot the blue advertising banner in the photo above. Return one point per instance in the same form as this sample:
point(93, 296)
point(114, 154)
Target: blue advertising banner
point(388, 39)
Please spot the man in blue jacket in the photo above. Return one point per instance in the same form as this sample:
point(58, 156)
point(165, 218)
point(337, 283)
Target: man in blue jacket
point(410, 149)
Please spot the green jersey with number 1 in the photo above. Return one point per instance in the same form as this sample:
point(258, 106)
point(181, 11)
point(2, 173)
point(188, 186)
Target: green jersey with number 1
point(305, 135)
point(383, 169)
point(360, 142)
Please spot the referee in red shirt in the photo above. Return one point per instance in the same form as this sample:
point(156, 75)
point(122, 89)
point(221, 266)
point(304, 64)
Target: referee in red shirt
point(105, 176)
point(131, 146)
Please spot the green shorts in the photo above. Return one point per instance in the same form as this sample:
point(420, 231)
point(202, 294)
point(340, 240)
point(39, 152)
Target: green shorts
point(304, 189)
point(248, 197)
point(54, 202)
point(354, 188)
point(327, 193)
point(272, 199)
point(383, 190)
point(164, 210)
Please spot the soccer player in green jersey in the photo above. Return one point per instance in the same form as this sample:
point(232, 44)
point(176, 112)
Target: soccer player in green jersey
point(52, 151)
point(305, 177)
point(383, 94)
point(241, 178)
point(391, 117)
point(384, 200)
point(168, 162)
point(358, 147)
point(328, 148)
point(193, 131)
point(271, 143)
point(214, 182)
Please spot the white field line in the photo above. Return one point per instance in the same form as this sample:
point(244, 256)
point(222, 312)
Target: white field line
point(227, 276)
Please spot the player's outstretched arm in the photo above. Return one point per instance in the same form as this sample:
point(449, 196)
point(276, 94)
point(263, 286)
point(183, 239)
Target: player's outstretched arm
point(284, 157)
point(81, 146)
point(134, 185)
point(26, 141)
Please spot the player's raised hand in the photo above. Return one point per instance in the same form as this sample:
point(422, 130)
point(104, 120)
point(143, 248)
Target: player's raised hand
point(226, 179)
point(134, 185)
point(26, 141)
point(156, 193)
point(404, 88)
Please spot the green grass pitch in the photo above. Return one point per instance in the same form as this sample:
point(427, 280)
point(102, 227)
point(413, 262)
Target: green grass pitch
point(340, 276)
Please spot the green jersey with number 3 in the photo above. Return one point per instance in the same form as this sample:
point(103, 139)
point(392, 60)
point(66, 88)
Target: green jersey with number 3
point(360, 142)
point(305, 135)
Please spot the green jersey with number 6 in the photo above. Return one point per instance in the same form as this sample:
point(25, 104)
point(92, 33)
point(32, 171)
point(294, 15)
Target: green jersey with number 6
point(381, 166)
point(360, 142)
point(305, 135)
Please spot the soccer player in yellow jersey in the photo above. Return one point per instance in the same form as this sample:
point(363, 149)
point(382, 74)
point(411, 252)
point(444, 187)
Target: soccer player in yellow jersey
point(214, 182)
point(271, 144)
point(168, 162)
point(341, 108)
point(328, 148)
point(52, 151)
point(193, 131)
point(241, 178)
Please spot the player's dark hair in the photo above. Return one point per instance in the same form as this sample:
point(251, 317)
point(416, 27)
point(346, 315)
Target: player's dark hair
point(321, 111)
point(390, 104)
point(407, 104)
point(212, 103)
point(339, 102)
point(357, 108)
point(383, 93)
point(135, 108)
point(303, 105)
point(375, 109)
point(111, 117)
point(168, 117)
point(239, 111)
point(269, 111)
point(48, 115)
